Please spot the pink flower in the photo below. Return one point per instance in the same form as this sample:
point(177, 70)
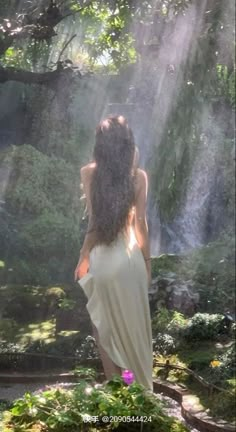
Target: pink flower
point(128, 377)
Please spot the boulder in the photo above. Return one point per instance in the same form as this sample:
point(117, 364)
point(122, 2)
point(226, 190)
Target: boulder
point(183, 299)
point(167, 290)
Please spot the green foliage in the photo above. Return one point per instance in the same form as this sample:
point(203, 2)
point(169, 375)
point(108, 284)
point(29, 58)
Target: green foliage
point(42, 198)
point(28, 56)
point(65, 410)
point(69, 343)
point(7, 326)
point(223, 407)
point(165, 263)
point(173, 374)
point(213, 271)
point(85, 373)
point(56, 293)
point(161, 319)
point(204, 327)
point(27, 304)
point(67, 304)
point(106, 35)
point(21, 303)
point(198, 356)
point(227, 360)
point(192, 343)
point(168, 321)
point(164, 344)
point(217, 368)
point(107, 28)
point(105, 31)
point(40, 183)
point(226, 83)
point(9, 347)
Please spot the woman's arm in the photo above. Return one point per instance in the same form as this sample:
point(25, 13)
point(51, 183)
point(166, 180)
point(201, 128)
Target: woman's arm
point(90, 237)
point(140, 221)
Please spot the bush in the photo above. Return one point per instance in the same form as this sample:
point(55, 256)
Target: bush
point(169, 321)
point(170, 374)
point(24, 308)
point(204, 327)
point(223, 407)
point(7, 326)
point(52, 299)
point(228, 359)
point(7, 347)
point(63, 410)
point(164, 344)
point(226, 367)
point(67, 345)
point(40, 227)
point(90, 374)
point(161, 319)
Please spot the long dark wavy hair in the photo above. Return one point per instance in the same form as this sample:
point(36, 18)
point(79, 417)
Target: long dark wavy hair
point(112, 186)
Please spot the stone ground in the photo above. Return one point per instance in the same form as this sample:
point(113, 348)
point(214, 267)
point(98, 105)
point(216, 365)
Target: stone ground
point(173, 409)
point(15, 391)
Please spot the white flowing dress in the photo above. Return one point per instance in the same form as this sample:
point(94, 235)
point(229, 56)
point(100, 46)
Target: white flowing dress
point(116, 287)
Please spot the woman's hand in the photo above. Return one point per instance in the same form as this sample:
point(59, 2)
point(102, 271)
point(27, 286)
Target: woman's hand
point(82, 267)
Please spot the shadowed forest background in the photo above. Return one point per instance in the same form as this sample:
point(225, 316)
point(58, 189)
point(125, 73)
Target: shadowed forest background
point(169, 67)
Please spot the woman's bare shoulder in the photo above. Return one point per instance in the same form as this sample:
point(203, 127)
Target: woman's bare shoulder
point(141, 177)
point(141, 174)
point(87, 170)
point(140, 182)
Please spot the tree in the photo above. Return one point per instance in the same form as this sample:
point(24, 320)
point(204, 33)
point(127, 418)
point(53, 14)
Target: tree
point(108, 27)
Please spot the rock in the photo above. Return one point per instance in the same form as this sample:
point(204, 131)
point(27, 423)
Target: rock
point(153, 291)
point(167, 290)
point(165, 280)
point(183, 299)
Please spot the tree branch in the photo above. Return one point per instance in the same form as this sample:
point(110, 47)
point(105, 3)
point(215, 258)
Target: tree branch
point(65, 46)
point(44, 78)
point(40, 28)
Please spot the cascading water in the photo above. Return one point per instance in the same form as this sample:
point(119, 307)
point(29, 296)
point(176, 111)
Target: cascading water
point(196, 220)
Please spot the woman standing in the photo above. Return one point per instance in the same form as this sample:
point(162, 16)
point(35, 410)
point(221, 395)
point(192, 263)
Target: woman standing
point(114, 267)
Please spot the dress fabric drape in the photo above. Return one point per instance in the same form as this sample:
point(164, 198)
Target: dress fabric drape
point(116, 287)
